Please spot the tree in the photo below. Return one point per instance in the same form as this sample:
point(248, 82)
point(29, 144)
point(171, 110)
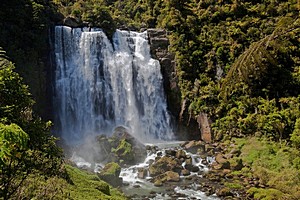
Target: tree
point(13, 150)
point(26, 145)
point(265, 61)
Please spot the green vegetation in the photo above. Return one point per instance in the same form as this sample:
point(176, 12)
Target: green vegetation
point(76, 185)
point(124, 151)
point(238, 61)
point(89, 186)
point(111, 169)
point(30, 162)
point(275, 165)
point(26, 144)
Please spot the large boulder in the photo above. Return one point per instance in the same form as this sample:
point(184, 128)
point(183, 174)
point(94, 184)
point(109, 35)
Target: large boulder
point(127, 148)
point(110, 174)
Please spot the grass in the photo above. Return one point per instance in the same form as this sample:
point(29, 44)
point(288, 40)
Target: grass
point(78, 186)
point(233, 185)
point(276, 165)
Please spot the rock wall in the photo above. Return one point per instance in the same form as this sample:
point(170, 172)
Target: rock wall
point(186, 127)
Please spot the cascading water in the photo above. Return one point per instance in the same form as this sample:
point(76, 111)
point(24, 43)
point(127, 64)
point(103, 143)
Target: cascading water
point(100, 85)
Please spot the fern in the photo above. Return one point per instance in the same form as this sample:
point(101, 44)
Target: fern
point(3, 58)
point(253, 63)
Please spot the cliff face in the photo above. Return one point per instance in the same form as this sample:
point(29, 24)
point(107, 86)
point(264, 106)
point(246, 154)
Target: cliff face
point(185, 126)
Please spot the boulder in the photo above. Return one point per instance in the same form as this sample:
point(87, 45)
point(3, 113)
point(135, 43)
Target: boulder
point(158, 183)
point(180, 154)
point(220, 158)
point(194, 168)
point(195, 146)
point(126, 147)
point(142, 173)
point(168, 176)
point(163, 165)
point(222, 162)
point(110, 174)
point(170, 152)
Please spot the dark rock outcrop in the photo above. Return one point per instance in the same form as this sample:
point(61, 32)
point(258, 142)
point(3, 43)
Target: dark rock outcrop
point(71, 22)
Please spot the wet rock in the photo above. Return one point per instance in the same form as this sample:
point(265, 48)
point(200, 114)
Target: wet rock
point(126, 184)
point(158, 183)
point(156, 32)
point(194, 168)
point(159, 153)
point(159, 43)
point(170, 152)
point(185, 172)
point(142, 173)
point(180, 154)
point(126, 147)
point(188, 160)
point(110, 174)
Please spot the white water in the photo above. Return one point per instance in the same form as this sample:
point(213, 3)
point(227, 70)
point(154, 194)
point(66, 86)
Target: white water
point(130, 176)
point(100, 85)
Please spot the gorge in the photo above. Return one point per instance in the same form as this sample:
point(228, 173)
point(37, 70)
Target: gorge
point(75, 101)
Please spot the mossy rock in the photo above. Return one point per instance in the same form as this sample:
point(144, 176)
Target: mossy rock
point(124, 151)
point(85, 185)
point(224, 192)
point(110, 174)
point(267, 194)
point(111, 169)
point(236, 164)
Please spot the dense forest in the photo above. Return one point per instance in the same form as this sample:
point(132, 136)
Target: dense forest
point(238, 61)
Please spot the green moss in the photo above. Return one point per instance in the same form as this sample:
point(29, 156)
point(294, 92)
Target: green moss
point(124, 150)
point(77, 185)
point(274, 165)
point(267, 194)
point(89, 186)
point(111, 169)
point(233, 185)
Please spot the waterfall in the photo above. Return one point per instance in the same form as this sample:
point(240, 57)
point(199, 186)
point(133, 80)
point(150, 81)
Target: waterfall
point(100, 85)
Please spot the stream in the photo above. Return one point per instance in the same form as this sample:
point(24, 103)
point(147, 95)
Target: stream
point(141, 186)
